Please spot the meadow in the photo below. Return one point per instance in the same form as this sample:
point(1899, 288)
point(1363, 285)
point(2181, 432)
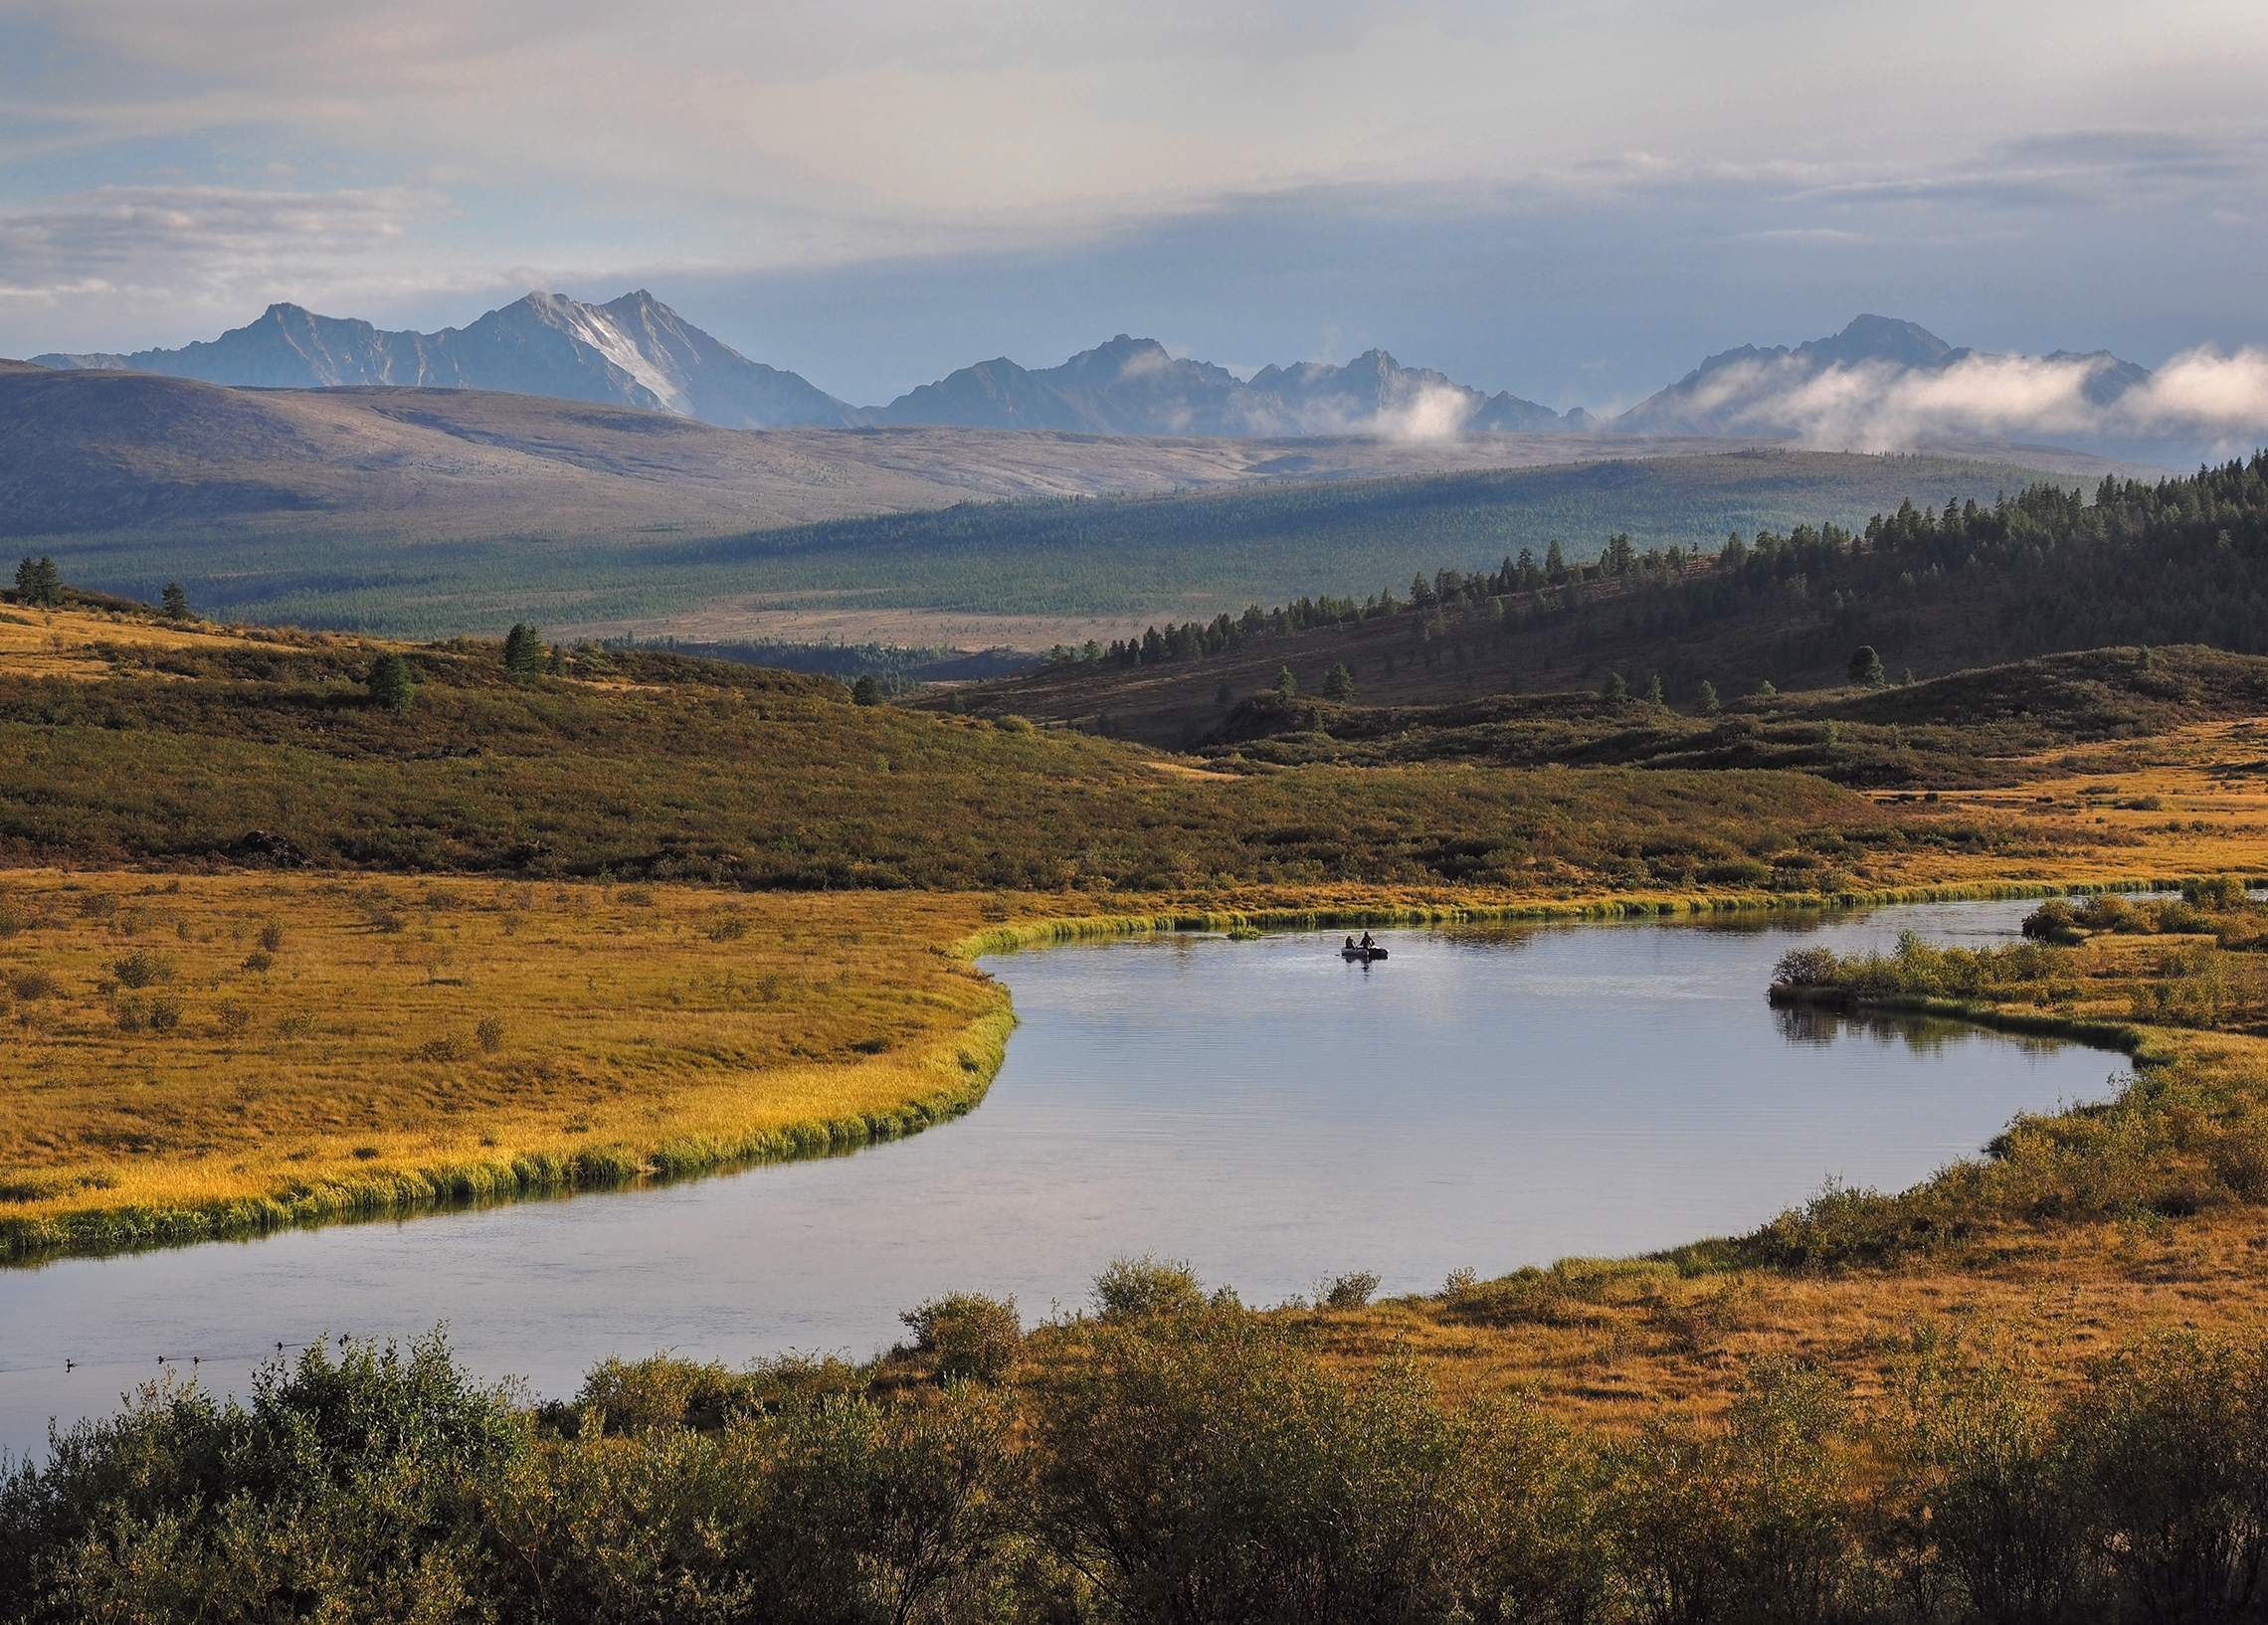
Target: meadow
point(203, 1055)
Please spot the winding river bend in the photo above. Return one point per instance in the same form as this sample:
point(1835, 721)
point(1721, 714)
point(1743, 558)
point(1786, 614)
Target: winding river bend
point(1486, 1098)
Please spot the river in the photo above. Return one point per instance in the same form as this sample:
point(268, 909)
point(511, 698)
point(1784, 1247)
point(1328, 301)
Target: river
point(1486, 1098)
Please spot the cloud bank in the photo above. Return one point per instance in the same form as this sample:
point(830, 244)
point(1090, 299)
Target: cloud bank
point(2201, 398)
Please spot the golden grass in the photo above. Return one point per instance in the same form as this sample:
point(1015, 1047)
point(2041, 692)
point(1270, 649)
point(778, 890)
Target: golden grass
point(80, 643)
point(625, 1017)
point(1622, 1342)
point(648, 1019)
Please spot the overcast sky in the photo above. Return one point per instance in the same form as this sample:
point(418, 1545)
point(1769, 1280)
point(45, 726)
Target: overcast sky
point(1571, 202)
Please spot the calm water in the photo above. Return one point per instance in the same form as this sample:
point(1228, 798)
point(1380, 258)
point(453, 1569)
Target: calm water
point(1484, 1099)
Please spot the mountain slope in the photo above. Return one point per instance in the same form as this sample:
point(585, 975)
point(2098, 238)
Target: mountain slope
point(1783, 391)
point(635, 351)
point(1133, 386)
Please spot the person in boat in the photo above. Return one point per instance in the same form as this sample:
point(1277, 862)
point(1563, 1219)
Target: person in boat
point(1350, 942)
point(1366, 945)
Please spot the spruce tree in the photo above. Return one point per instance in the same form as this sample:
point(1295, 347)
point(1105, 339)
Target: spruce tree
point(175, 602)
point(1866, 666)
point(1615, 689)
point(390, 683)
point(523, 651)
point(1339, 683)
point(868, 690)
point(1285, 683)
point(39, 582)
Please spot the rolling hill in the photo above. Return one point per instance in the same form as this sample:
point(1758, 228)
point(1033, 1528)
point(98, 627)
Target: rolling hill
point(429, 513)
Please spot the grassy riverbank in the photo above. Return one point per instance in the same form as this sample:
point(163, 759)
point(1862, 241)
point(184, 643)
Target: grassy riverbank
point(209, 1055)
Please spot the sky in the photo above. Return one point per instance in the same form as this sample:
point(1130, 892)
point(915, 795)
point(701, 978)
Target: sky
point(1575, 203)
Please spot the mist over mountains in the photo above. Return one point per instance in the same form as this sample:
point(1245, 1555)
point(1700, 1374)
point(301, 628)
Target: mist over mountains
point(1879, 385)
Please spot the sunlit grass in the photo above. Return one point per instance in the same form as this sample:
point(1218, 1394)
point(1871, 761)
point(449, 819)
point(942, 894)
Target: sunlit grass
point(182, 1041)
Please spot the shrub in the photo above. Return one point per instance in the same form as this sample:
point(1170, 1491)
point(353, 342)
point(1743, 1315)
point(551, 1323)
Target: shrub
point(1014, 724)
point(1134, 1289)
point(233, 1017)
point(142, 969)
point(447, 1048)
point(491, 1034)
point(164, 1014)
point(972, 1336)
point(2052, 922)
point(731, 928)
point(97, 905)
point(2219, 893)
point(1348, 1291)
point(1807, 968)
point(271, 937)
point(259, 961)
point(33, 984)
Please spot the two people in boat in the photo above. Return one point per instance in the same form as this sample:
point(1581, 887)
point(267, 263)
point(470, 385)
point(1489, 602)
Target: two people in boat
point(1366, 944)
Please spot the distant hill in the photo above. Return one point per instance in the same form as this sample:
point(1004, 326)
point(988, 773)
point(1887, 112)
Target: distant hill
point(1133, 386)
point(431, 512)
point(1931, 589)
point(635, 351)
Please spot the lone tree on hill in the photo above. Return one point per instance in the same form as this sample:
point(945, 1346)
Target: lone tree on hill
point(1615, 689)
point(524, 652)
point(390, 683)
point(1653, 691)
point(1339, 683)
point(175, 602)
point(868, 690)
point(1866, 666)
point(1285, 683)
point(39, 582)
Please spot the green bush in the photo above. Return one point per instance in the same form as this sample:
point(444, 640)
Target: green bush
point(970, 1335)
point(142, 969)
point(1135, 1289)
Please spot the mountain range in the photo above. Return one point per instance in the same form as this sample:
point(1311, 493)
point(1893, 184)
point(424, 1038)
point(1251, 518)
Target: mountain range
point(635, 352)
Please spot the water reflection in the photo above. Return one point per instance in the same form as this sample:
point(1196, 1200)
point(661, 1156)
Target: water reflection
point(1920, 1034)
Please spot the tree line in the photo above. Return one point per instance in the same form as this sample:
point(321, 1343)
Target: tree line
point(2177, 560)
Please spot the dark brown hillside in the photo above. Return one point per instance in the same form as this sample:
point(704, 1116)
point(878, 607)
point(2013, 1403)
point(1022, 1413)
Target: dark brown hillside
point(1542, 642)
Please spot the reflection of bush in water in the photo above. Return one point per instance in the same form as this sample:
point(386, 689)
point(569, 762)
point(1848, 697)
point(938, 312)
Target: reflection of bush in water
point(1809, 1026)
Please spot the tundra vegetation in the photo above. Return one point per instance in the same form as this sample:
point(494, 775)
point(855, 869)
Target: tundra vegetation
point(2030, 1389)
point(1179, 1459)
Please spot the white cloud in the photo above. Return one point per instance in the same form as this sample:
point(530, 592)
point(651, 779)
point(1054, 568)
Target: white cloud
point(2200, 396)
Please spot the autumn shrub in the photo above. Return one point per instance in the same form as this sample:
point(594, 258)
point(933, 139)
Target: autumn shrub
point(141, 968)
point(1134, 1289)
point(970, 1334)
